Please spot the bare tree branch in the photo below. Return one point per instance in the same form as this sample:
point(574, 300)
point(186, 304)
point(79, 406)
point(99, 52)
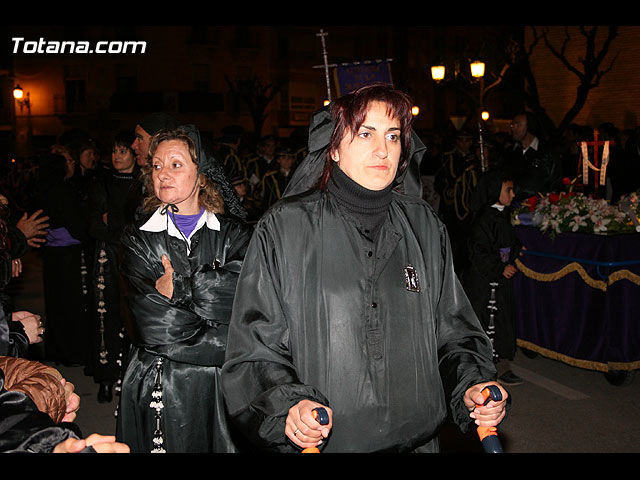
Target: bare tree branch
point(256, 95)
point(590, 70)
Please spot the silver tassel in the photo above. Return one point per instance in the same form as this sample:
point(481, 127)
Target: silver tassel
point(492, 312)
point(157, 405)
point(102, 258)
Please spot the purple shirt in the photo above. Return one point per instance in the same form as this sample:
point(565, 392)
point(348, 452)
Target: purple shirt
point(60, 237)
point(186, 223)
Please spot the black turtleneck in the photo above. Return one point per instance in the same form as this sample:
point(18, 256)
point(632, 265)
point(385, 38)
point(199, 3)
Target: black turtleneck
point(367, 207)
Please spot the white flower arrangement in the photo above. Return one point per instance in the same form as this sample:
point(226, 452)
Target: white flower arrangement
point(575, 212)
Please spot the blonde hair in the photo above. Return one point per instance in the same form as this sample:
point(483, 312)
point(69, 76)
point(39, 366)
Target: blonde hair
point(208, 195)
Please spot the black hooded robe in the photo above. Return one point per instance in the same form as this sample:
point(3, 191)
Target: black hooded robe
point(492, 244)
point(171, 398)
point(381, 332)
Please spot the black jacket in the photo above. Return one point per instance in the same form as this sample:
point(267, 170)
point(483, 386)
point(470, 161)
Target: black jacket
point(188, 332)
point(535, 171)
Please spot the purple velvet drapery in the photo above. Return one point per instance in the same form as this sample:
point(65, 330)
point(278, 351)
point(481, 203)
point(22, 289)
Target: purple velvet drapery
point(587, 314)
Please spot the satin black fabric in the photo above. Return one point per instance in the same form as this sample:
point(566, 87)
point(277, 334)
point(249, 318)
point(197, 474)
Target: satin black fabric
point(317, 316)
point(188, 331)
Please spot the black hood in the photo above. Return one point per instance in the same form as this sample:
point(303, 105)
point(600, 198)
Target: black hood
point(488, 188)
point(210, 167)
point(310, 169)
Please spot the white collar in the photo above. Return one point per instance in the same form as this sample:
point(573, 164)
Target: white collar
point(535, 143)
point(159, 222)
point(498, 206)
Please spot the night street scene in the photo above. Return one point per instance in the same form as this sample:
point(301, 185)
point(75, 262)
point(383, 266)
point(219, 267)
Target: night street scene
point(245, 238)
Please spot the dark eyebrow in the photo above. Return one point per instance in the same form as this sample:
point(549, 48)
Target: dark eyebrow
point(373, 128)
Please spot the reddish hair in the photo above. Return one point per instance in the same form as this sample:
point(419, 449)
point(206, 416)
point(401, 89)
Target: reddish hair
point(349, 112)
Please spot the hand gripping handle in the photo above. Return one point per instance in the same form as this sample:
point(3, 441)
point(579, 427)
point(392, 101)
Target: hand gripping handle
point(322, 417)
point(489, 435)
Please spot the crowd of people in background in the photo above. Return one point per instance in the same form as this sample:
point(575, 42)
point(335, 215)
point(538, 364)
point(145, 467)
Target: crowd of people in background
point(74, 202)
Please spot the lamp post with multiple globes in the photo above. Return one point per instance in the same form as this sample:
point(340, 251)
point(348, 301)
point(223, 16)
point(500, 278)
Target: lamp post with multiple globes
point(477, 67)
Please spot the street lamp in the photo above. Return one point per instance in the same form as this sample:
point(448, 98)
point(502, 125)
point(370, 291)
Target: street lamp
point(18, 94)
point(477, 67)
point(437, 72)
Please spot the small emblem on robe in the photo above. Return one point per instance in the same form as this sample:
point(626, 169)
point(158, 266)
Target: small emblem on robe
point(411, 277)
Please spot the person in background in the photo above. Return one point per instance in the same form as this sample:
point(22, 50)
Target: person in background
point(493, 248)
point(275, 181)
point(262, 161)
point(38, 408)
point(535, 167)
point(65, 278)
point(348, 300)
point(107, 220)
point(15, 239)
point(246, 198)
point(147, 128)
point(181, 267)
point(144, 130)
point(455, 182)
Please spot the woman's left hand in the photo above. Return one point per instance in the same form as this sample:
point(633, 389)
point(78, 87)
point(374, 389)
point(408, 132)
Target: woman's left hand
point(164, 284)
point(488, 415)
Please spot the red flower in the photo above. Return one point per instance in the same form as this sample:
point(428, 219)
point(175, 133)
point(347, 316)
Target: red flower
point(566, 181)
point(553, 198)
point(532, 202)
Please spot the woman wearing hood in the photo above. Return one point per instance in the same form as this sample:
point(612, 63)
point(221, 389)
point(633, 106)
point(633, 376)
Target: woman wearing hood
point(181, 266)
point(348, 300)
point(493, 248)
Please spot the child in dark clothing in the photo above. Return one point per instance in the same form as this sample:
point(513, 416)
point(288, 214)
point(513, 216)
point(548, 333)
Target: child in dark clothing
point(493, 248)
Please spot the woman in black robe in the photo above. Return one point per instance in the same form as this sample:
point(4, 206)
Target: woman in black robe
point(181, 263)
point(348, 300)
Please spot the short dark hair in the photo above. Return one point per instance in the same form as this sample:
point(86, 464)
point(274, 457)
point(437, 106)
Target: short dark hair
point(348, 113)
point(123, 138)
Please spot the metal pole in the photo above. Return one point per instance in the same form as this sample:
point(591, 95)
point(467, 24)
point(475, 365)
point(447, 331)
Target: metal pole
point(484, 166)
point(323, 34)
point(483, 160)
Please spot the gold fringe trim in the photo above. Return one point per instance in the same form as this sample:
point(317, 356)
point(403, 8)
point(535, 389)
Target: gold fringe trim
point(576, 267)
point(587, 364)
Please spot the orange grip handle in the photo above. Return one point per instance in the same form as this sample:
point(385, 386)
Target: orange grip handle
point(484, 432)
point(489, 435)
point(311, 450)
